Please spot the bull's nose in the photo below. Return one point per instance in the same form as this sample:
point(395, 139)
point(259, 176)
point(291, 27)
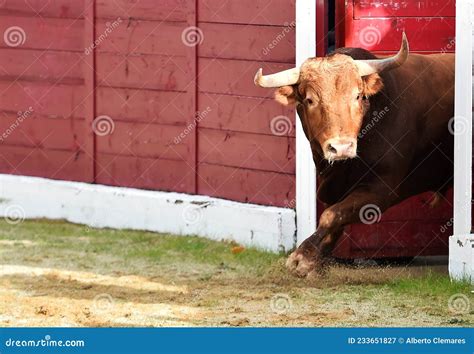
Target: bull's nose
point(340, 148)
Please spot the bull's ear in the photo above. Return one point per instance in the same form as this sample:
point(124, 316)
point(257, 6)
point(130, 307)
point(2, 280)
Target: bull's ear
point(373, 84)
point(285, 95)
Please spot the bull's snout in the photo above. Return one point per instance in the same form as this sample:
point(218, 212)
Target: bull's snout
point(340, 148)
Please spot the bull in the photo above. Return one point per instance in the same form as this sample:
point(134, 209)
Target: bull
point(362, 161)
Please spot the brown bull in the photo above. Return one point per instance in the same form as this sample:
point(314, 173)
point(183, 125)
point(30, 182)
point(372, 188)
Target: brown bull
point(378, 130)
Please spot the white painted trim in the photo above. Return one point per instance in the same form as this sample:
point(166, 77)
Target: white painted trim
point(263, 227)
point(461, 251)
point(305, 170)
point(463, 114)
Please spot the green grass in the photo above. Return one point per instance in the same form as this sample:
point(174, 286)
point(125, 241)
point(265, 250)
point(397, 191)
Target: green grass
point(428, 285)
point(371, 296)
point(54, 237)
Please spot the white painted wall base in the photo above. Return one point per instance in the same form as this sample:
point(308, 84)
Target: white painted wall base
point(263, 227)
point(461, 257)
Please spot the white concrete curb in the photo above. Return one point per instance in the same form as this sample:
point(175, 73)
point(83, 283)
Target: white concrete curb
point(263, 227)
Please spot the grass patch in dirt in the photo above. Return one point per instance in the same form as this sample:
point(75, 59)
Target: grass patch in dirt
point(57, 273)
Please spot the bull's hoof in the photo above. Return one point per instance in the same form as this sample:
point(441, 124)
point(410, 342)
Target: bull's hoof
point(303, 265)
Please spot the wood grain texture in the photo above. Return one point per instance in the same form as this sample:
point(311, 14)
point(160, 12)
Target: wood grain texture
point(38, 132)
point(245, 150)
point(165, 10)
point(46, 33)
point(145, 173)
point(140, 105)
point(55, 164)
point(244, 114)
point(41, 8)
point(145, 140)
point(254, 12)
point(249, 186)
point(40, 65)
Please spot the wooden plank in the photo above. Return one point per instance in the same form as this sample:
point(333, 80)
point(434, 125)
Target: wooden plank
point(390, 8)
point(144, 106)
point(244, 114)
point(192, 97)
point(424, 34)
point(142, 72)
point(142, 37)
point(53, 101)
point(146, 173)
point(26, 130)
point(235, 77)
point(41, 8)
point(145, 140)
point(232, 41)
point(244, 150)
point(56, 164)
point(249, 186)
point(40, 65)
point(219, 40)
point(255, 12)
point(44, 33)
point(165, 10)
point(89, 87)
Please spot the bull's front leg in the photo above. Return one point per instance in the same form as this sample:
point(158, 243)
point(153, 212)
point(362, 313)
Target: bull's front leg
point(309, 256)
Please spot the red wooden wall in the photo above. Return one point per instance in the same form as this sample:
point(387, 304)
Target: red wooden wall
point(411, 228)
point(145, 83)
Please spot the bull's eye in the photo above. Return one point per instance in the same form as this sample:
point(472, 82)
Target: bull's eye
point(309, 101)
point(358, 96)
point(364, 97)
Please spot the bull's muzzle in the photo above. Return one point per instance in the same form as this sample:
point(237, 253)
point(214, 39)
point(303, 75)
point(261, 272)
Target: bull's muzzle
point(340, 149)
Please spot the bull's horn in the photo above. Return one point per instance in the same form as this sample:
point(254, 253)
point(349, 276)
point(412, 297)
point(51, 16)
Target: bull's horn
point(283, 78)
point(367, 67)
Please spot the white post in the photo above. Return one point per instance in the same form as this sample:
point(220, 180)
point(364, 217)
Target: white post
point(305, 170)
point(461, 251)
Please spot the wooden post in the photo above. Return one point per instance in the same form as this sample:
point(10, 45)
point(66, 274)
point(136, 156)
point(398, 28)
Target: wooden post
point(89, 86)
point(192, 94)
point(305, 169)
point(461, 244)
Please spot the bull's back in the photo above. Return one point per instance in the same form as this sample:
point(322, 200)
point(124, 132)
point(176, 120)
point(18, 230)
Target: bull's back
point(426, 93)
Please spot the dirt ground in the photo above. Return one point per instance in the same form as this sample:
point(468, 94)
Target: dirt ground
point(60, 274)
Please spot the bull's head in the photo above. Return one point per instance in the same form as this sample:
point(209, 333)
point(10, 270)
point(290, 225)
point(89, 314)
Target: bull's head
point(332, 96)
